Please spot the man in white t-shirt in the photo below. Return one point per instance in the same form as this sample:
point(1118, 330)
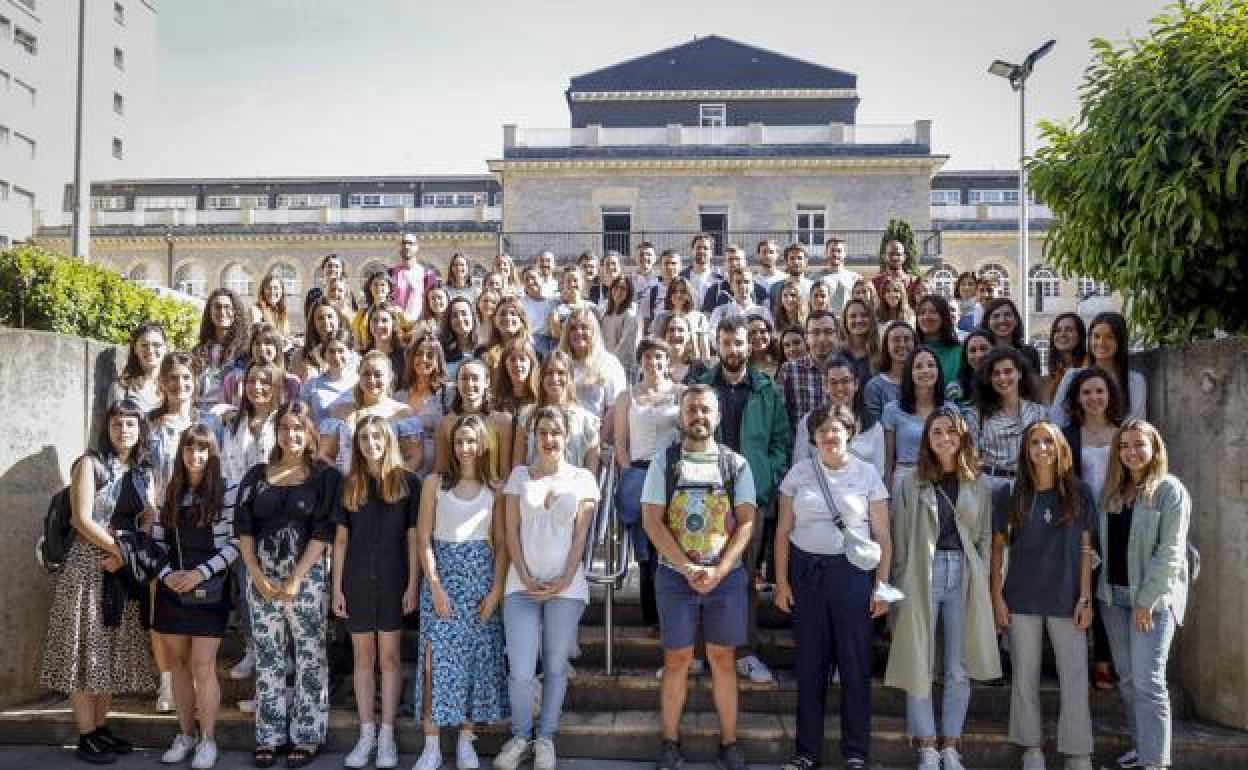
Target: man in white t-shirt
point(645, 278)
point(840, 279)
point(700, 274)
point(767, 253)
point(795, 266)
point(546, 276)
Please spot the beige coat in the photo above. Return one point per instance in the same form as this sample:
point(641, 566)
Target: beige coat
point(916, 526)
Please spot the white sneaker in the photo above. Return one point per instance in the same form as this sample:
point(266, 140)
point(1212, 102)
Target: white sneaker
point(246, 667)
point(544, 754)
point(465, 755)
point(363, 747)
point(387, 749)
point(1078, 763)
point(1128, 760)
point(247, 705)
point(430, 758)
point(1033, 759)
point(164, 695)
point(696, 667)
point(205, 756)
point(757, 671)
point(511, 754)
point(179, 750)
point(950, 759)
point(929, 758)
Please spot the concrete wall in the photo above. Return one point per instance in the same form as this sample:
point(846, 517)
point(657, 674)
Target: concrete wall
point(1196, 395)
point(53, 390)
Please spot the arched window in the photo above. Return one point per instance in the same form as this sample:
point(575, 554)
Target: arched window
point(943, 278)
point(143, 276)
point(1091, 288)
point(995, 270)
point(237, 279)
point(372, 266)
point(1043, 282)
point(191, 279)
point(289, 277)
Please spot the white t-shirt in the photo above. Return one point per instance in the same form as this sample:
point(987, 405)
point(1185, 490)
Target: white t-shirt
point(538, 311)
point(867, 445)
point(546, 534)
point(853, 488)
point(841, 287)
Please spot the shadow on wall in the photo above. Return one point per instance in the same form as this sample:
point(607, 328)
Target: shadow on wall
point(28, 484)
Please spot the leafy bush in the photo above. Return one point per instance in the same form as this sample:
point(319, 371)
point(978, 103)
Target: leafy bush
point(1150, 185)
point(52, 292)
point(900, 230)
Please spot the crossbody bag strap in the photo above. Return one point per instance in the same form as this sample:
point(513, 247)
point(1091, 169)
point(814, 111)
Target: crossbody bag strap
point(827, 496)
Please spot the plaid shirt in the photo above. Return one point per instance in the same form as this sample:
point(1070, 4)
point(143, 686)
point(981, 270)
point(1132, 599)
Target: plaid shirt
point(801, 381)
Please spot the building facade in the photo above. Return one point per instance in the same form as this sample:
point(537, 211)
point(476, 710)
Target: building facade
point(38, 71)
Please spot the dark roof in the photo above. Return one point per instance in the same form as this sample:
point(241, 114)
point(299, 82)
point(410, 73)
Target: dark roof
point(713, 151)
point(712, 62)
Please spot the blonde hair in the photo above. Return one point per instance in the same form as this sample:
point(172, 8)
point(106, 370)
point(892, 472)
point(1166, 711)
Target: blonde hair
point(1118, 478)
point(373, 356)
point(392, 482)
point(591, 367)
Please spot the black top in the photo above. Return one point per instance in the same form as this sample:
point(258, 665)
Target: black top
point(264, 508)
point(732, 399)
point(1045, 555)
point(1116, 548)
point(948, 539)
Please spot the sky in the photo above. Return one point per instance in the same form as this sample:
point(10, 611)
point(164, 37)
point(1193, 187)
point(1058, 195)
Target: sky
point(345, 87)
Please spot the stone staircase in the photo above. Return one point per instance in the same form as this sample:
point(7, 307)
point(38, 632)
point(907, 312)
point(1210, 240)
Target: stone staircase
point(615, 716)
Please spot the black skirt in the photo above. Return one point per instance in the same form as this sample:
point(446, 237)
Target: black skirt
point(174, 618)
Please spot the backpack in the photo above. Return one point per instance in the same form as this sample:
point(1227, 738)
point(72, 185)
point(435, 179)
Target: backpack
point(53, 546)
point(671, 472)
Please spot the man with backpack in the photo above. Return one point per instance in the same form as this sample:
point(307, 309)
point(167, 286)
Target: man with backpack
point(698, 510)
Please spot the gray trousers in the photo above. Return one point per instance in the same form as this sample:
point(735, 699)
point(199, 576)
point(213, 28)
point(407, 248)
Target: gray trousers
point(1070, 649)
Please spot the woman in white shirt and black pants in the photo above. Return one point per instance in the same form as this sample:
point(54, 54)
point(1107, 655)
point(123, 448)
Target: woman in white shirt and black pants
point(832, 600)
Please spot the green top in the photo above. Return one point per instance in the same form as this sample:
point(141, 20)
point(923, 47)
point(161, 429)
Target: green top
point(950, 358)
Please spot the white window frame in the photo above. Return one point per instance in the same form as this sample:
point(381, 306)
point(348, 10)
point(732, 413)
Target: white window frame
point(243, 286)
point(308, 200)
point(235, 202)
point(1003, 277)
point(164, 203)
point(144, 282)
point(811, 224)
point(289, 277)
point(1089, 287)
point(714, 115)
point(380, 200)
point(108, 203)
point(946, 198)
point(192, 279)
point(1045, 280)
point(943, 279)
point(995, 197)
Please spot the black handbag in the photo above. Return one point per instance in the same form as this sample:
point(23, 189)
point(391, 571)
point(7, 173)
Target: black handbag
point(209, 593)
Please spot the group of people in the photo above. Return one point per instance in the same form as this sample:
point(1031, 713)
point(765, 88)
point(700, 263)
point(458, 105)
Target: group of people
point(428, 453)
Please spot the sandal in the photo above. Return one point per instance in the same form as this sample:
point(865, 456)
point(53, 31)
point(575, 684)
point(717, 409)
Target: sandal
point(302, 756)
point(265, 756)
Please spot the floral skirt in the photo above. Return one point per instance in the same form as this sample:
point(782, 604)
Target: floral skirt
point(468, 661)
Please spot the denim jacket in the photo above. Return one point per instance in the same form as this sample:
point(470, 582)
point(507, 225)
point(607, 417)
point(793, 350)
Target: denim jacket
point(1157, 567)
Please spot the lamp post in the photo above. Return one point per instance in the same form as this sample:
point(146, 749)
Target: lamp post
point(81, 239)
point(1017, 74)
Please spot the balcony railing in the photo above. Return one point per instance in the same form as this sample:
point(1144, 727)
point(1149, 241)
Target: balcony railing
point(175, 218)
point(752, 134)
point(862, 247)
point(989, 212)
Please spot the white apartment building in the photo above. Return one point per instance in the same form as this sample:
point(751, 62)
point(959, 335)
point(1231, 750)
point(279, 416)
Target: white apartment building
point(38, 71)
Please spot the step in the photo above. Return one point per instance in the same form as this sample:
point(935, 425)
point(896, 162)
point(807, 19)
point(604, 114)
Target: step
point(634, 735)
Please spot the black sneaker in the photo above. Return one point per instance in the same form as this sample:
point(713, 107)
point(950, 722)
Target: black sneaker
point(730, 757)
point(670, 757)
point(800, 762)
point(116, 744)
point(93, 751)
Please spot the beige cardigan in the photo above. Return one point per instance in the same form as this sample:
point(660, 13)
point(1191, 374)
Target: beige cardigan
point(916, 526)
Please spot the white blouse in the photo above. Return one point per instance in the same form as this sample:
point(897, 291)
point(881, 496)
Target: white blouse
point(463, 521)
point(548, 509)
point(854, 487)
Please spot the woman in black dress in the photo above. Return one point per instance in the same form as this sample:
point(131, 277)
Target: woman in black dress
point(283, 524)
point(376, 572)
point(197, 531)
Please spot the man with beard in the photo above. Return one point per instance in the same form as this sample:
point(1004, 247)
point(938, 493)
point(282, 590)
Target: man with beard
point(700, 274)
point(409, 278)
point(722, 293)
point(801, 380)
point(840, 279)
point(701, 536)
point(755, 425)
point(896, 266)
point(768, 273)
point(795, 264)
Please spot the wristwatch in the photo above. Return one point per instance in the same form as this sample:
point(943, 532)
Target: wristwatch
point(1084, 602)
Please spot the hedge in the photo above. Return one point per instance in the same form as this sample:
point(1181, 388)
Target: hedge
point(52, 292)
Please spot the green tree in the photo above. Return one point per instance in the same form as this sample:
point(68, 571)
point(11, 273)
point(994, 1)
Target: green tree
point(51, 292)
point(1149, 186)
point(900, 230)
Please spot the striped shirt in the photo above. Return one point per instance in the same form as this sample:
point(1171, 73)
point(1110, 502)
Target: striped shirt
point(223, 540)
point(999, 438)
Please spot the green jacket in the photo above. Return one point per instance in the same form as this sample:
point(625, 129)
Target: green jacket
point(765, 441)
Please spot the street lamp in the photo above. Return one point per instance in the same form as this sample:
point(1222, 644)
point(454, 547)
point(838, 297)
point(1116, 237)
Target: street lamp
point(1017, 74)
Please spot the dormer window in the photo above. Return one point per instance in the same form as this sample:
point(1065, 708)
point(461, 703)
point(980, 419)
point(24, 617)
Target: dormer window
point(712, 115)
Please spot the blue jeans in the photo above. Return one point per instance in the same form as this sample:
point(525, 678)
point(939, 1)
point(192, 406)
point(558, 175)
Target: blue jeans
point(1140, 658)
point(532, 627)
point(946, 600)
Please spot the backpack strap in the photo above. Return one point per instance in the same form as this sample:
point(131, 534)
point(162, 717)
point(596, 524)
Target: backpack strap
point(727, 472)
point(671, 470)
point(728, 475)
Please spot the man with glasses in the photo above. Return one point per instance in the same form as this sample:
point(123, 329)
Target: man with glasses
point(801, 380)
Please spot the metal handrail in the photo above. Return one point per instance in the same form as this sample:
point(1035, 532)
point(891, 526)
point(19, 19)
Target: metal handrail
point(607, 534)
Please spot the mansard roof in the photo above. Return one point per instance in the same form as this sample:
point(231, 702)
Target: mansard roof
point(712, 63)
